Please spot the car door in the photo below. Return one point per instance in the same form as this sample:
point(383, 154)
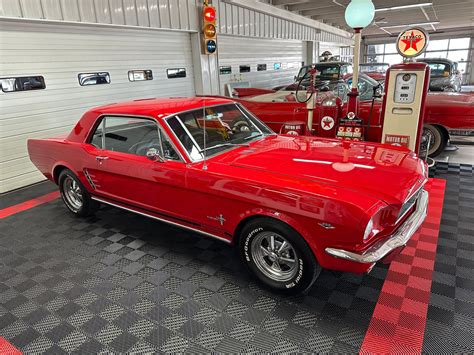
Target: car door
point(125, 174)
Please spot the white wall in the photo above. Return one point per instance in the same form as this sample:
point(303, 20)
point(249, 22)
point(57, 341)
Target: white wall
point(236, 51)
point(60, 53)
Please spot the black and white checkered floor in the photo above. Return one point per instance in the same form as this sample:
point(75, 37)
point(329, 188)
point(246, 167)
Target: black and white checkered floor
point(119, 282)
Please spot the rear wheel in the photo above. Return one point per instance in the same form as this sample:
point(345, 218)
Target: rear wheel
point(75, 196)
point(278, 256)
point(435, 137)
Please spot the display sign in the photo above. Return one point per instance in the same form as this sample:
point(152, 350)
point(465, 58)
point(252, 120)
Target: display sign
point(412, 42)
point(398, 140)
point(350, 129)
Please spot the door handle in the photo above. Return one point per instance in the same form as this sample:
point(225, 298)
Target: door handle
point(101, 158)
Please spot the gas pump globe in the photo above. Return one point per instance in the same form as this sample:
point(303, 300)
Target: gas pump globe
point(359, 14)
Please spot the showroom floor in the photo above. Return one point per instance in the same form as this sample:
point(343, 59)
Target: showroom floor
point(121, 282)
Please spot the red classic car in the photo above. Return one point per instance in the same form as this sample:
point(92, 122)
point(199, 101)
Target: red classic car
point(445, 113)
point(292, 205)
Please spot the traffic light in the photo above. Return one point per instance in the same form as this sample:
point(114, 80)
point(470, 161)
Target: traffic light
point(209, 29)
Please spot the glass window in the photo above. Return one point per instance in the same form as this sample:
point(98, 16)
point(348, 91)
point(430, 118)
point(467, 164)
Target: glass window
point(133, 136)
point(390, 48)
point(25, 83)
point(439, 69)
point(225, 70)
point(375, 49)
point(168, 150)
point(261, 67)
point(436, 54)
point(215, 129)
point(436, 45)
point(459, 43)
point(244, 68)
point(462, 67)
point(86, 79)
point(459, 55)
point(393, 59)
point(140, 75)
point(176, 73)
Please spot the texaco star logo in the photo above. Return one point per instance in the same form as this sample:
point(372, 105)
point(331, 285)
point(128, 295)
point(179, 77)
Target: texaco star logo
point(351, 115)
point(412, 42)
point(327, 123)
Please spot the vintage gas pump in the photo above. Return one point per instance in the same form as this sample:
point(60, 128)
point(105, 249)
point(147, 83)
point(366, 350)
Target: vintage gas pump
point(406, 86)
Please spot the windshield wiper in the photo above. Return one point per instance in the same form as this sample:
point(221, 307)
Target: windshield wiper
point(224, 145)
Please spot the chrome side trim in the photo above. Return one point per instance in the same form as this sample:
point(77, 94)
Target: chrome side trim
point(89, 180)
point(398, 239)
point(161, 219)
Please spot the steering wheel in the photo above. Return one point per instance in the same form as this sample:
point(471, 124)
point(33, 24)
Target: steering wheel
point(298, 90)
point(140, 148)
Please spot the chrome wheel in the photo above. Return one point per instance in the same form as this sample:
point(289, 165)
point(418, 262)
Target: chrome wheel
point(274, 256)
point(72, 194)
point(430, 140)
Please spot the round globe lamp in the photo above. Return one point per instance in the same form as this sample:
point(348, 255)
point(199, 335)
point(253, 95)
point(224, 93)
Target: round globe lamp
point(359, 14)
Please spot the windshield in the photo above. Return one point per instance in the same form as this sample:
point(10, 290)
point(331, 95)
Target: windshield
point(373, 68)
point(439, 69)
point(215, 129)
point(326, 71)
point(365, 86)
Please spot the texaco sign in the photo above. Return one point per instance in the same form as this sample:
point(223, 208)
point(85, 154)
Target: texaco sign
point(412, 42)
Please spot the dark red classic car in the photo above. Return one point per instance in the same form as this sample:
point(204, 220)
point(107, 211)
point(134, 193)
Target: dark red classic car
point(445, 114)
point(292, 205)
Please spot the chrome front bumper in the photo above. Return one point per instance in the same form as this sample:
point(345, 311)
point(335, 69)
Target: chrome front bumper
point(400, 238)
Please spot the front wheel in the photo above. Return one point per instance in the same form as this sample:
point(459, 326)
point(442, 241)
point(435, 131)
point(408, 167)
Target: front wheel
point(435, 137)
point(278, 256)
point(75, 196)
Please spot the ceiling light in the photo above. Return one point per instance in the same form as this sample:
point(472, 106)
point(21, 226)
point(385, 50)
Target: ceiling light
point(401, 7)
point(413, 24)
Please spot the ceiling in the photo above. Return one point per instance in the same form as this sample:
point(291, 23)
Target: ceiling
point(450, 14)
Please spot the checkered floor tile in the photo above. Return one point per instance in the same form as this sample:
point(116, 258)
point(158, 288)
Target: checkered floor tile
point(119, 282)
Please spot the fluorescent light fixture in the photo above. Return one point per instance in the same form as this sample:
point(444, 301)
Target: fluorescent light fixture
point(413, 24)
point(402, 7)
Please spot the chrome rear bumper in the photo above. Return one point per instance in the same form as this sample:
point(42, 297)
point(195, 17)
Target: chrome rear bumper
point(398, 239)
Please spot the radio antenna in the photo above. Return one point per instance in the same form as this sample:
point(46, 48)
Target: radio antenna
point(204, 166)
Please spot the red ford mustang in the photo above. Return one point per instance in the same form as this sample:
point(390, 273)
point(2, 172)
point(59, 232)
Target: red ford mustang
point(292, 205)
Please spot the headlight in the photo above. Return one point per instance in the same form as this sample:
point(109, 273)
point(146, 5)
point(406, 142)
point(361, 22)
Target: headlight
point(368, 229)
point(329, 102)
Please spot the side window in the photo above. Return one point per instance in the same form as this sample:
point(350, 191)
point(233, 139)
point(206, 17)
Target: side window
point(133, 136)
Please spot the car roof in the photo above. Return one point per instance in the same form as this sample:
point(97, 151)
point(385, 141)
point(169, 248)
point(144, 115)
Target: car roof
point(435, 60)
point(161, 107)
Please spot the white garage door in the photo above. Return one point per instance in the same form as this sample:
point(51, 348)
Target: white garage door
point(59, 53)
point(281, 60)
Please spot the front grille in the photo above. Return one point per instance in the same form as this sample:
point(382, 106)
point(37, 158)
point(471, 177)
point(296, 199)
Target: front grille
point(408, 204)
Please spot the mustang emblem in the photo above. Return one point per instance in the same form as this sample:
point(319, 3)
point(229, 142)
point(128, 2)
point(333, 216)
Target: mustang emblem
point(219, 218)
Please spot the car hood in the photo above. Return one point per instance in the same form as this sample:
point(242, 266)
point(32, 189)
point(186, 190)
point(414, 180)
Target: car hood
point(387, 173)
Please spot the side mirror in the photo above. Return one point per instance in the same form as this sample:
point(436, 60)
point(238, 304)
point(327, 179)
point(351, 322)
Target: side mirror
point(153, 155)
